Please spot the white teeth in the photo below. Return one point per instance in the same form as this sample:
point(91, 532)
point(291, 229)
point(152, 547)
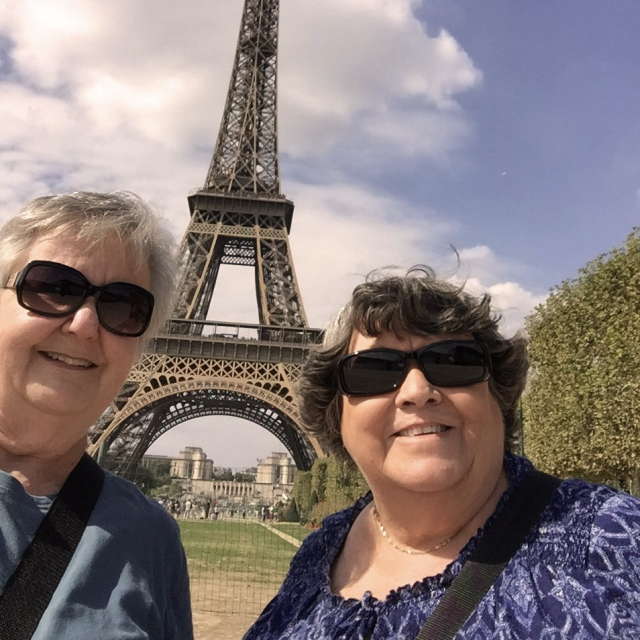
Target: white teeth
point(76, 362)
point(418, 431)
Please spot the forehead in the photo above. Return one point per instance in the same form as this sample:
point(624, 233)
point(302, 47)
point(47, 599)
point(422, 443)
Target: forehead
point(402, 341)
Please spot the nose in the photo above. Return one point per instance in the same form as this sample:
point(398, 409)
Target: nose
point(416, 389)
point(84, 322)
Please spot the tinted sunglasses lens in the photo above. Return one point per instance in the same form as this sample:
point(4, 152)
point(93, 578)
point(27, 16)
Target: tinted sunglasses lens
point(54, 290)
point(454, 364)
point(125, 309)
point(372, 372)
point(51, 290)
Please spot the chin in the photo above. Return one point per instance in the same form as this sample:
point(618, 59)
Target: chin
point(426, 475)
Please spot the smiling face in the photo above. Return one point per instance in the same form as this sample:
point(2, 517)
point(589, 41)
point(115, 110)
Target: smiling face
point(59, 374)
point(422, 437)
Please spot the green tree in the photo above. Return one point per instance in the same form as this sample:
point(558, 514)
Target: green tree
point(302, 494)
point(145, 479)
point(582, 405)
point(243, 477)
point(319, 477)
point(290, 512)
point(161, 469)
point(329, 487)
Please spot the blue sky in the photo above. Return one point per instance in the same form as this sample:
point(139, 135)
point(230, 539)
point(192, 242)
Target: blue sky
point(509, 130)
point(556, 113)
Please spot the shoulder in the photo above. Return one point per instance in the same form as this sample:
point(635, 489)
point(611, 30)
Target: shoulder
point(129, 570)
point(615, 531)
point(125, 509)
point(580, 517)
point(591, 525)
point(574, 503)
point(577, 575)
point(582, 500)
point(599, 558)
point(128, 495)
point(591, 506)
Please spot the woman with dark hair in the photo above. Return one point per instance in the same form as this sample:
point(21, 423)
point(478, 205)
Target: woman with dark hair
point(86, 278)
point(415, 384)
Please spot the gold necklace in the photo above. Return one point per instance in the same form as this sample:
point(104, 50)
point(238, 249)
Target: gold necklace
point(411, 552)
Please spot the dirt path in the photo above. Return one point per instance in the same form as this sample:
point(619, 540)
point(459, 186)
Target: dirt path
point(209, 626)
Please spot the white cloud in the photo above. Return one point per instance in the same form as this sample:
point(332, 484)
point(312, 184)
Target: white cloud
point(372, 64)
point(514, 303)
point(129, 95)
point(156, 70)
point(421, 132)
point(483, 271)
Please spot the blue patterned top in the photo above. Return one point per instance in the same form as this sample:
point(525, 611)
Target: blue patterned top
point(577, 576)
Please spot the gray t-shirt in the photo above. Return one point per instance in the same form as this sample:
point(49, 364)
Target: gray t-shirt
point(127, 579)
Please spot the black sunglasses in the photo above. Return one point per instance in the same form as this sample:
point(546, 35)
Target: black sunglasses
point(56, 290)
point(449, 363)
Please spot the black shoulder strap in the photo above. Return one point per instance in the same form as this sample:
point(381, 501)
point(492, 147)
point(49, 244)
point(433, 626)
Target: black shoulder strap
point(29, 590)
point(498, 545)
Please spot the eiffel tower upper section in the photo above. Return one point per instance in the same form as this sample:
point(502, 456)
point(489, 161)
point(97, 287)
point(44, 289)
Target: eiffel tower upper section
point(240, 217)
point(246, 153)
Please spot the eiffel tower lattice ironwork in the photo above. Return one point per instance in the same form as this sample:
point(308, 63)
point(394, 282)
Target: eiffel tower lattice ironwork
point(195, 367)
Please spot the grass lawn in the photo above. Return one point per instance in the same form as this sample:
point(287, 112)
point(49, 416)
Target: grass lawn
point(235, 567)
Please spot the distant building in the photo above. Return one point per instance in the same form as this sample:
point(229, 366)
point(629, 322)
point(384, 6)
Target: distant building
point(274, 478)
point(192, 464)
point(277, 468)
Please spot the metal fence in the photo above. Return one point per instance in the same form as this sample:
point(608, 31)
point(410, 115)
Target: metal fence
point(238, 549)
point(237, 565)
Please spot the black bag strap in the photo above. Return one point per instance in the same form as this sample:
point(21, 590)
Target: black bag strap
point(502, 538)
point(30, 588)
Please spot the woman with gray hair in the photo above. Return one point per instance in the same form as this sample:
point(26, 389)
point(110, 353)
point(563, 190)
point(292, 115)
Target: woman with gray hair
point(85, 278)
point(458, 537)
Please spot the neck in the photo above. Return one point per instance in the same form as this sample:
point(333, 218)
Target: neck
point(39, 449)
point(41, 475)
point(408, 517)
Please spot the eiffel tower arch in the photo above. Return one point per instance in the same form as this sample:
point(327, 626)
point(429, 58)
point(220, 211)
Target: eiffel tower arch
point(194, 367)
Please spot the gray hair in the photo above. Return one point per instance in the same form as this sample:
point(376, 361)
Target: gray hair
point(416, 303)
point(92, 217)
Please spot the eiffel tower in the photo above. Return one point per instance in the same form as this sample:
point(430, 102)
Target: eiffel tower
point(194, 367)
